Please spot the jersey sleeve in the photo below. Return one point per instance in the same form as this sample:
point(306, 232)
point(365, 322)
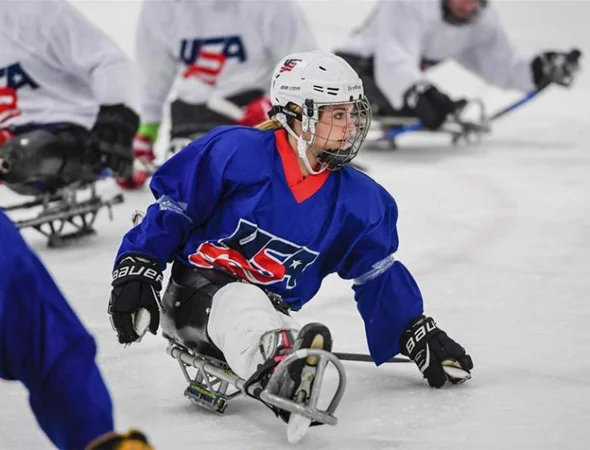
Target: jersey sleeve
point(398, 49)
point(157, 65)
point(45, 346)
point(286, 29)
point(493, 57)
point(387, 295)
point(80, 47)
point(187, 188)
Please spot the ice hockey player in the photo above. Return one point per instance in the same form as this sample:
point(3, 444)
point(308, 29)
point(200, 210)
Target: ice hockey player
point(402, 38)
point(65, 98)
point(254, 219)
point(44, 346)
point(210, 50)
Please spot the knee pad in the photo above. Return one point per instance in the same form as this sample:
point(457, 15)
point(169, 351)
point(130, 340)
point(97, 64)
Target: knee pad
point(30, 160)
point(41, 161)
point(186, 305)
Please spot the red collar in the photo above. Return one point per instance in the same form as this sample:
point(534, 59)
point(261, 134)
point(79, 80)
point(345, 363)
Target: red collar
point(301, 187)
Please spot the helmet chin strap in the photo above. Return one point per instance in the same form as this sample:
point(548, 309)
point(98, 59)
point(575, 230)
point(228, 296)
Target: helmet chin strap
point(302, 145)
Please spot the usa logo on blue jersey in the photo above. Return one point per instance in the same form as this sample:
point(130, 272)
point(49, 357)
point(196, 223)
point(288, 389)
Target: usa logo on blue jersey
point(255, 256)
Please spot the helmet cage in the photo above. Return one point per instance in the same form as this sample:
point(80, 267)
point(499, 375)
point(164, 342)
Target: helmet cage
point(304, 86)
point(310, 114)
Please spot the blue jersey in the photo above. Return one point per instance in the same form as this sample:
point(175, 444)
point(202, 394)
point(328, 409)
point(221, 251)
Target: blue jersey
point(44, 345)
point(236, 200)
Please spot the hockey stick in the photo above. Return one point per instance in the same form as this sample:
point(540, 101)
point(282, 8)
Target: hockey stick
point(226, 108)
point(572, 65)
point(415, 126)
point(527, 98)
point(360, 357)
point(451, 367)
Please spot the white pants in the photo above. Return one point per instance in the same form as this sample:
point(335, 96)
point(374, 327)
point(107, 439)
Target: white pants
point(240, 314)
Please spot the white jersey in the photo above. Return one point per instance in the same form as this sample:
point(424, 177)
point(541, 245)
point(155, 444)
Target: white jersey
point(401, 33)
point(60, 66)
point(213, 48)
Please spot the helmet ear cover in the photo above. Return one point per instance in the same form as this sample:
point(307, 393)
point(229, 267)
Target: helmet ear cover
point(309, 107)
point(280, 109)
point(310, 112)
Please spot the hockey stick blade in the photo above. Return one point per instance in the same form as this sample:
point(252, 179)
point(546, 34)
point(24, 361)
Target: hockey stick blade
point(137, 217)
point(455, 372)
point(141, 322)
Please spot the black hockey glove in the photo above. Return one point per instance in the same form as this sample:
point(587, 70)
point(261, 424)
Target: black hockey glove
point(555, 67)
point(431, 106)
point(113, 134)
point(137, 281)
point(438, 357)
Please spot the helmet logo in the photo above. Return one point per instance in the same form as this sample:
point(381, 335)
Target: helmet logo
point(289, 65)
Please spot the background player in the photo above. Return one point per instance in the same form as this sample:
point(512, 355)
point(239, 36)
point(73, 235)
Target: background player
point(403, 38)
point(66, 92)
point(204, 53)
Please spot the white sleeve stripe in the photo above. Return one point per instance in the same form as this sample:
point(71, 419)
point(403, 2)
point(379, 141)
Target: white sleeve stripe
point(377, 269)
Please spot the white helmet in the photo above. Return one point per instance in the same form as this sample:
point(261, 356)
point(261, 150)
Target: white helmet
point(313, 81)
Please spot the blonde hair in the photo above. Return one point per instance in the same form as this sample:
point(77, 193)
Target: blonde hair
point(269, 124)
point(274, 124)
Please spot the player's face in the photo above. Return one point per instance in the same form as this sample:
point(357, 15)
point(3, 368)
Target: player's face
point(463, 9)
point(335, 127)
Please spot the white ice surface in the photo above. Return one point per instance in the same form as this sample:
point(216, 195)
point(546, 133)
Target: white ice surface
point(497, 236)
